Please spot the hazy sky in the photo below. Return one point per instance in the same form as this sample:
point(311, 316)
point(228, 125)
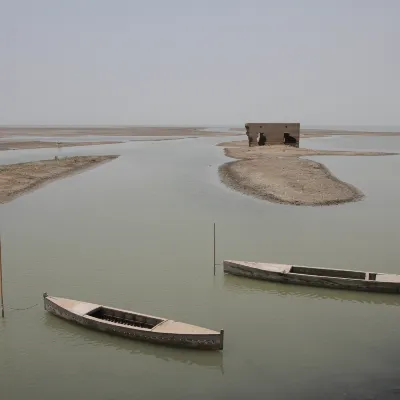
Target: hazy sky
point(199, 61)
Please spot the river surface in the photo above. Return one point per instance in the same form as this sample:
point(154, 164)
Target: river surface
point(136, 233)
point(85, 138)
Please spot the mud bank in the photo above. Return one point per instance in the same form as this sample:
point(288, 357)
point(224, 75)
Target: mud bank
point(278, 174)
point(18, 179)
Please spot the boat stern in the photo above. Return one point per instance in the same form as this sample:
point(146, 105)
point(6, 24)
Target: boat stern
point(53, 304)
point(255, 269)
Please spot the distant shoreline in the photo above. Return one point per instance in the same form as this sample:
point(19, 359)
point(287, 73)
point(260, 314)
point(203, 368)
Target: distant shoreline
point(84, 135)
point(49, 131)
point(39, 144)
point(311, 133)
point(314, 132)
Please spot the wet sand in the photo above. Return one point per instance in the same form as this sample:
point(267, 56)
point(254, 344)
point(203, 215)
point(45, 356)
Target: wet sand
point(18, 179)
point(37, 144)
point(278, 174)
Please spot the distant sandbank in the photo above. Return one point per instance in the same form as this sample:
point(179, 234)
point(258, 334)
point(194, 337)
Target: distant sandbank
point(278, 174)
point(18, 179)
point(37, 144)
point(17, 138)
point(314, 133)
point(71, 131)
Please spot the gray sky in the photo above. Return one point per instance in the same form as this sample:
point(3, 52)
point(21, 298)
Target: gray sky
point(199, 61)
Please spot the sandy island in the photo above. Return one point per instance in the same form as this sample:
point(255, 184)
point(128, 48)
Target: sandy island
point(278, 174)
point(18, 179)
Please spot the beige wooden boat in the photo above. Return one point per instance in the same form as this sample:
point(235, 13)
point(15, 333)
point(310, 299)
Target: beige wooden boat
point(310, 276)
point(134, 325)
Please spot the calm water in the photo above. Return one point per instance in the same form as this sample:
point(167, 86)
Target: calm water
point(136, 233)
point(87, 138)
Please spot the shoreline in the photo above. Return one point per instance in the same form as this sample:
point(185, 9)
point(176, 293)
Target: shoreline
point(19, 179)
point(308, 133)
point(279, 174)
point(38, 144)
point(73, 131)
point(24, 138)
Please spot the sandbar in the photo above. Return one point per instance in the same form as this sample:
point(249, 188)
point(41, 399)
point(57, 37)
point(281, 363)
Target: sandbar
point(37, 144)
point(279, 175)
point(18, 179)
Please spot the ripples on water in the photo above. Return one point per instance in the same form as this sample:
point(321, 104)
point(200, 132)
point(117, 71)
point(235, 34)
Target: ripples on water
point(245, 285)
point(76, 336)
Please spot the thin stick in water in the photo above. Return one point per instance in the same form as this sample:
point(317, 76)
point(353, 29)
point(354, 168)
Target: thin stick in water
point(214, 249)
point(1, 286)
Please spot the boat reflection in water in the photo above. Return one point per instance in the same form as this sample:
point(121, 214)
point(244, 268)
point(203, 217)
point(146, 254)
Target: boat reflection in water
point(75, 333)
point(238, 284)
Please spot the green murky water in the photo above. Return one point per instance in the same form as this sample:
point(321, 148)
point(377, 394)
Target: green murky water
point(136, 233)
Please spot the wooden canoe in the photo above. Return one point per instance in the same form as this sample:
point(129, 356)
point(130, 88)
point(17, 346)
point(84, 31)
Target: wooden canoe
point(134, 325)
point(310, 276)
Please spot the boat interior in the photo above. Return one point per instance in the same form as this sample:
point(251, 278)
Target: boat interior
point(125, 318)
point(331, 273)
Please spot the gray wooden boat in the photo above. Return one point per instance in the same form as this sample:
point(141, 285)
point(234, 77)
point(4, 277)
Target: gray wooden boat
point(310, 276)
point(134, 325)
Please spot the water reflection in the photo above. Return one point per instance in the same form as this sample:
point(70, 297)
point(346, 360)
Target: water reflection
point(239, 284)
point(70, 332)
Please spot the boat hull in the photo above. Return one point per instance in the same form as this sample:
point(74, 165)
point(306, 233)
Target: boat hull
point(372, 282)
point(195, 341)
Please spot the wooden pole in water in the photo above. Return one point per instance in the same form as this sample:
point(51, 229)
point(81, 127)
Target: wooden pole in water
point(1, 286)
point(214, 249)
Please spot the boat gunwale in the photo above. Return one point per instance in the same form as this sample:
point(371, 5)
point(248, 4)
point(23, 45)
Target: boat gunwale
point(110, 323)
point(98, 306)
point(253, 264)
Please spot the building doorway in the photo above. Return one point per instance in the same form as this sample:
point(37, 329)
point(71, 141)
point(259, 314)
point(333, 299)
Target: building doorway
point(289, 139)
